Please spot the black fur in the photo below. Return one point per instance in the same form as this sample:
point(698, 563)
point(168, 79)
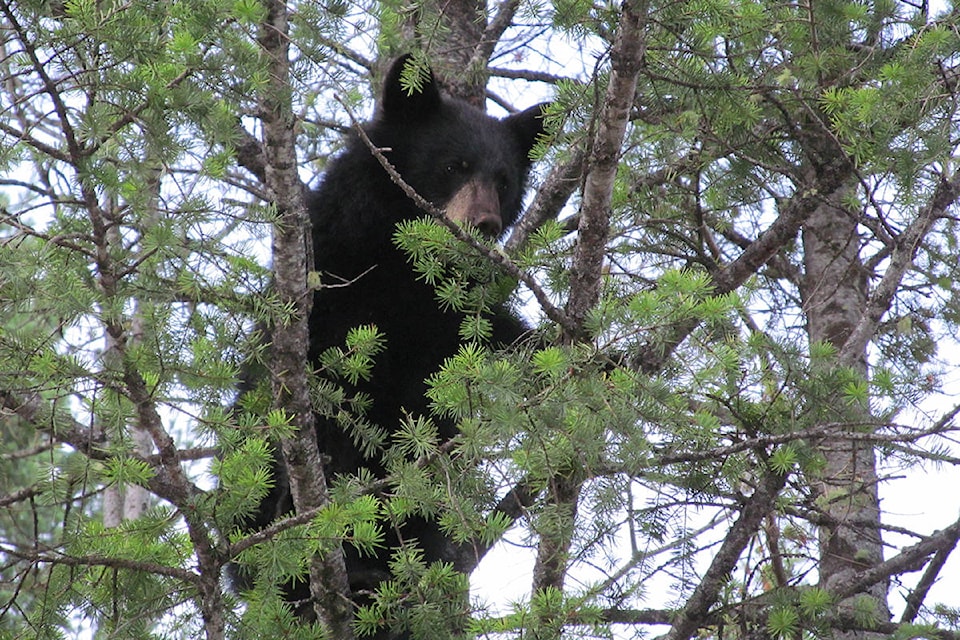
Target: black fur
point(443, 148)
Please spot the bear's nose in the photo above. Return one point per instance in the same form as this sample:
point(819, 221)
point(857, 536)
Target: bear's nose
point(477, 204)
point(488, 223)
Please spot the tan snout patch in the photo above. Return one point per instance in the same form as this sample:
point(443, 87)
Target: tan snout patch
point(477, 204)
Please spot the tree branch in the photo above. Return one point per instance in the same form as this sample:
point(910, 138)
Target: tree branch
point(651, 357)
point(329, 585)
point(625, 61)
point(908, 560)
point(491, 35)
point(901, 260)
point(915, 598)
point(689, 619)
point(551, 197)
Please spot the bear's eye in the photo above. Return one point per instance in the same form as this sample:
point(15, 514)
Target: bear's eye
point(458, 166)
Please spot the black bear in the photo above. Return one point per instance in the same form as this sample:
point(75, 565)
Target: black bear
point(460, 159)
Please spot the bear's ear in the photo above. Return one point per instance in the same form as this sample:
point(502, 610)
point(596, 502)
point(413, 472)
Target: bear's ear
point(415, 97)
point(528, 125)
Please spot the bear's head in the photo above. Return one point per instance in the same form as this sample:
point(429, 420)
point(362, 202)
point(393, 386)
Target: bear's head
point(454, 155)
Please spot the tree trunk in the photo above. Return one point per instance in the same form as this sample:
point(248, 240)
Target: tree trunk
point(329, 588)
point(835, 293)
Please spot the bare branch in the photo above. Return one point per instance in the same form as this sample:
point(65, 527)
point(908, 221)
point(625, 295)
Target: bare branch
point(901, 260)
point(915, 598)
point(551, 197)
point(909, 559)
point(688, 620)
point(625, 58)
point(491, 35)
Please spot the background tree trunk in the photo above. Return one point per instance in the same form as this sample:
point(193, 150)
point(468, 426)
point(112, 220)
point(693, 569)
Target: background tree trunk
point(835, 293)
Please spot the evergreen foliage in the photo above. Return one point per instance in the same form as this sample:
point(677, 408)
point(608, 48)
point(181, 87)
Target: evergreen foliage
point(696, 454)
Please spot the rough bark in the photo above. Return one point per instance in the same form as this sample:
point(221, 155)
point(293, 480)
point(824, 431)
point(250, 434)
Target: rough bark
point(451, 33)
point(625, 63)
point(329, 587)
point(835, 292)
